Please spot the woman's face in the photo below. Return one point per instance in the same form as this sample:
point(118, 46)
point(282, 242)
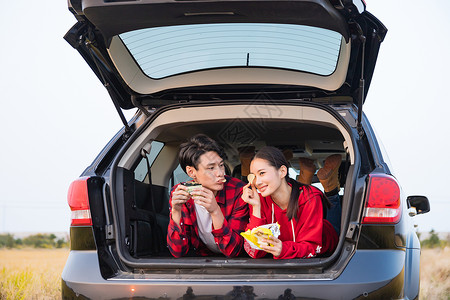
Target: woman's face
point(268, 178)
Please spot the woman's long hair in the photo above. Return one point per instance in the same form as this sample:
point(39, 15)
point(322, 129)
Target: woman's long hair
point(275, 158)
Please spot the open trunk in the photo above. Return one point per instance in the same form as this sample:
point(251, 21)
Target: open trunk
point(140, 198)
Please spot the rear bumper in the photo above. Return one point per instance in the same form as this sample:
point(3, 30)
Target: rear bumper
point(377, 274)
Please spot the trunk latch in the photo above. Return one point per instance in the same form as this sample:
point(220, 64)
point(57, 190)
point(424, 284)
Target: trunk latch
point(351, 231)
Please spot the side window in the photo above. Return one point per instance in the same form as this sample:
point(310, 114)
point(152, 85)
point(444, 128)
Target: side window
point(179, 175)
point(141, 171)
point(384, 153)
point(293, 173)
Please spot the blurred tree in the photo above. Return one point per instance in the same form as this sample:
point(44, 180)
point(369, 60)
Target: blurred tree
point(6, 240)
point(37, 241)
point(40, 240)
point(432, 241)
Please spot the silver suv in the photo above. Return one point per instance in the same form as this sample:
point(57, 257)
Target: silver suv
point(291, 74)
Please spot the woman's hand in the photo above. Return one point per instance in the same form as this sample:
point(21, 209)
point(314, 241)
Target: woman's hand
point(250, 195)
point(275, 245)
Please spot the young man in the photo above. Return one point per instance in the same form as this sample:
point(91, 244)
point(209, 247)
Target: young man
point(210, 218)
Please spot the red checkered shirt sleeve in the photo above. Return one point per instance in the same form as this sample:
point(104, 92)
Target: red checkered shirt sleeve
point(235, 212)
point(177, 237)
point(181, 238)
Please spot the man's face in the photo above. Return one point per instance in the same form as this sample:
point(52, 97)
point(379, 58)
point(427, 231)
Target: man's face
point(210, 171)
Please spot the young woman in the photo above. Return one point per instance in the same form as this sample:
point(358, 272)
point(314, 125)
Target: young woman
point(298, 209)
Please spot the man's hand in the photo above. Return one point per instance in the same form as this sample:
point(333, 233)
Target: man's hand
point(205, 197)
point(179, 197)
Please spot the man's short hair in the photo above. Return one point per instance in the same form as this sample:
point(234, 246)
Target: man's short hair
point(195, 147)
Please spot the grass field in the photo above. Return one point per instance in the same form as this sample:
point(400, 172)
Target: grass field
point(435, 274)
point(35, 273)
point(31, 273)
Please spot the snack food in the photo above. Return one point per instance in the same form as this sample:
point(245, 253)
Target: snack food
point(254, 235)
point(261, 233)
point(251, 177)
point(191, 186)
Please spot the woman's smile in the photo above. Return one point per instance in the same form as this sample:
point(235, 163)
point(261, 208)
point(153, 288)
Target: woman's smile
point(262, 187)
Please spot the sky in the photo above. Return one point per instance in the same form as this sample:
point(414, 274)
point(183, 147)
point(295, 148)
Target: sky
point(56, 116)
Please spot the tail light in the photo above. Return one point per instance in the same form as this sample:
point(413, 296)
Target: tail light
point(382, 200)
point(78, 200)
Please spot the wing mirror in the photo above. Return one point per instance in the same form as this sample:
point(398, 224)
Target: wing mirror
point(418, 205)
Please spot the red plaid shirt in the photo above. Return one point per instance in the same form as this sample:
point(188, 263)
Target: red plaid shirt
point(228, 238)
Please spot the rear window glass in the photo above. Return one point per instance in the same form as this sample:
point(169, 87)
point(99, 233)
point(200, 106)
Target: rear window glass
point(171, 50)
